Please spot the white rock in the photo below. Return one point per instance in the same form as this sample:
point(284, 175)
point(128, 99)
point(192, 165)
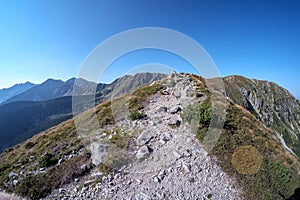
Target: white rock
point(12, 175)
point(186, 167)
point(15, 182)
point(156, 179)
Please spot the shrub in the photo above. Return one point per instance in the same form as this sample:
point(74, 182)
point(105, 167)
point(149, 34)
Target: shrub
point(29, 145)
point(48, 160)
point(135, 115)
point(198, 115)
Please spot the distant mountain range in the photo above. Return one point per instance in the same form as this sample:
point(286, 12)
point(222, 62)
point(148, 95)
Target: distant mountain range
point(51, 89)
point(43, 106)
point(8, 93)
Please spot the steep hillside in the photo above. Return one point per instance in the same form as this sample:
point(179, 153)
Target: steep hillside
point(21, 120)
point(270, 103)
point(8, 93)
point(152, 144)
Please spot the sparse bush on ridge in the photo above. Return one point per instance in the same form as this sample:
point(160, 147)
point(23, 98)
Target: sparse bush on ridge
point(135, 115)
point(199, 115)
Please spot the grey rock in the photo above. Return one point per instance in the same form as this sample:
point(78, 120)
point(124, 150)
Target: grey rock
point(31, 158)
point(177, 94)
point(174, 122)
point(160, 196)
point(166, 137)
point(42, 169)
point(61, 190)
point(161, 174)
point(164, 92)
point(13, 175)
point(177, 155)
point(15, 182)
point(77, 180)
point(144, 138)
point(175, 109)
point(186, 167)
point(156, 179)
point(141, 196)
point(143, 152)
point(88, 183)
point(60, 161)
point(84, 167)
point(162, 109)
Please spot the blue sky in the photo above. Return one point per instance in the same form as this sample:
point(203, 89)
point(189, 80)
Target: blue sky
point(51, 39)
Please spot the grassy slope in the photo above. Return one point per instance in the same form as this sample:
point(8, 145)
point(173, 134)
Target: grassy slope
point(270, 173)
point(278, 104)
point(60, 141)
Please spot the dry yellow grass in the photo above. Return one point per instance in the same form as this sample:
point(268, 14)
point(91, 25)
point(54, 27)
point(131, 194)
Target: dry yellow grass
point(246, 160)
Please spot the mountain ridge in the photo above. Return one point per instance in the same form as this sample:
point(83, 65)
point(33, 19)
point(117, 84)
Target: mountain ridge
point(272, 104)
point(51, 89)
point(61, 161)
point(7, 93)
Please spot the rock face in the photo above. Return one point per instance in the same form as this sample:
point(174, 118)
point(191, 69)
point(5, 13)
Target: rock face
point(170, 164)
point(270, 103)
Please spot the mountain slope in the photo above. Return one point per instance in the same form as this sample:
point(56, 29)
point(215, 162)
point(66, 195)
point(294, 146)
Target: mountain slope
point(270, 103)
point(159, 145)
point(21, 120)
point(8, 93)
point(17, 121)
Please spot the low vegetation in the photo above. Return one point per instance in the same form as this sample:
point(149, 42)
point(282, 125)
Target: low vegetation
point(247, 151)
point(138, 98)
point(135, 115)
point(36, 161)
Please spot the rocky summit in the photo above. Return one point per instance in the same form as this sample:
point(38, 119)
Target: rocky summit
point(182, 137)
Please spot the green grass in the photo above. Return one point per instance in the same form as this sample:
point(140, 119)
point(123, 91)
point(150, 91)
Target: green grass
point(199, 115)
point(135, 115)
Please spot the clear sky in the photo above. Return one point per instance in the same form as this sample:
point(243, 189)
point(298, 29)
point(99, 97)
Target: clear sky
point(51, 39)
